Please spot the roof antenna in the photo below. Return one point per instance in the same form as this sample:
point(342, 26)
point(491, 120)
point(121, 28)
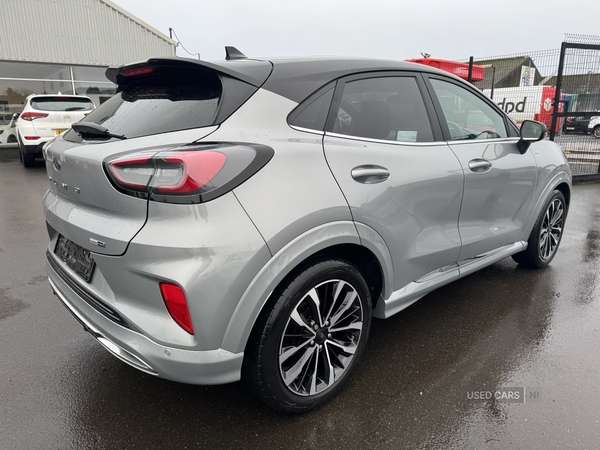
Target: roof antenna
point(232, 53)
point(425, 55)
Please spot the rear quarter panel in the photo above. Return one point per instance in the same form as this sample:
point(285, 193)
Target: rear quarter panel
point(295, 191)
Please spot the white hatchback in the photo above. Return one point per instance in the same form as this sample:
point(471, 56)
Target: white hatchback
point(45, 117)
point(594, 126)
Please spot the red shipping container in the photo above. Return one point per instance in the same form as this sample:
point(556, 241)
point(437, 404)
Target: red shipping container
point(459, 69)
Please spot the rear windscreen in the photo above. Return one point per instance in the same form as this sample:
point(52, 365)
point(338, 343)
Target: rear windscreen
point(160, 104)
point(62, 104)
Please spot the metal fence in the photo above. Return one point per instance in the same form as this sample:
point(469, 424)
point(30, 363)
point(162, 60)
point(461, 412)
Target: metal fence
point(530, 85)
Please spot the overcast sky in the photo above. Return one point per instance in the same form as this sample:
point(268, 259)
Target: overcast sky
point(373, 28)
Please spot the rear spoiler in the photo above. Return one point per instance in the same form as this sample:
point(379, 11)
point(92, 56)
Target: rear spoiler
point(251, 71)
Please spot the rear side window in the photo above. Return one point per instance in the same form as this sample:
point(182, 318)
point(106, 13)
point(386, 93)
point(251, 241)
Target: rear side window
point(180, 101)
point(61, 104)
point(312, 113)
point(388, 108)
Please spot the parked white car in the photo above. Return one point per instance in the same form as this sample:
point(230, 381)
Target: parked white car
point(8, 132)
point(594, 126)
point(45, 117)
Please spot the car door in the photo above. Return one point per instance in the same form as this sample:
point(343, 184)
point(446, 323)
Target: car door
point(398, 175)
point(499, 180)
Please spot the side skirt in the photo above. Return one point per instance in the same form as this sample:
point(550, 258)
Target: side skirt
point(406, 296)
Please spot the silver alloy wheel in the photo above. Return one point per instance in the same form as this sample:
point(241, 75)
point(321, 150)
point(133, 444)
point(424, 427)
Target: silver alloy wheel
point(321, 337)
point(551, 229)
point(596, 132)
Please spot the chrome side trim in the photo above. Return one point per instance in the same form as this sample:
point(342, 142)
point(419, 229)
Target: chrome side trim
point(511, 139)
point(307, 130)
point(383, 141)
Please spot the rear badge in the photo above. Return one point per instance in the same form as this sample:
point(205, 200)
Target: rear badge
point(97, 242)
point(56, 164)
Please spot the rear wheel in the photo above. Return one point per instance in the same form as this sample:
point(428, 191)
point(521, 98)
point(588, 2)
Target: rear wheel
point(546, 234)
point(28, 159)
point(303, 350)
point(596, 132)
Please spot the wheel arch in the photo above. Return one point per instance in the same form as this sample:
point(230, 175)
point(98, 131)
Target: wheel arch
point(561, 181)
point(333, 240)
point(565, 189)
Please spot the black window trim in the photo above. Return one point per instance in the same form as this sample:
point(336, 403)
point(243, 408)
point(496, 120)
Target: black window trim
point(425, 96)
point(511, 128)
point(299, 109)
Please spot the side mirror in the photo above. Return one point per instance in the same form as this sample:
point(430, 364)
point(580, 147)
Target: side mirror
point(531, 132)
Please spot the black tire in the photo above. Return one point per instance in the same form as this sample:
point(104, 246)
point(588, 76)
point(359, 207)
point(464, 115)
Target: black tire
point(546, 234)
point(28, 159)
point(283, 357)
point(596, 132)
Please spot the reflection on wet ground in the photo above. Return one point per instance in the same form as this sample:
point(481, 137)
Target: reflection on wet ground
point(502, 327)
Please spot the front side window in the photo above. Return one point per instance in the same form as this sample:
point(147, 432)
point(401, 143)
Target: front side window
point(468, 116)
point(388, 108)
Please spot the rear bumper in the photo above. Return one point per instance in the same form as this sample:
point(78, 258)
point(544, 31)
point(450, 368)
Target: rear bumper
point(32, 147)
point(188, 366)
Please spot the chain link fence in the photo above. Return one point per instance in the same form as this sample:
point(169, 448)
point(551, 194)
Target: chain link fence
point(559, 87)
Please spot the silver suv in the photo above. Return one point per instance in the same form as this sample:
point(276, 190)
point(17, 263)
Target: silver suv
point(44, 117)
point(245, 219)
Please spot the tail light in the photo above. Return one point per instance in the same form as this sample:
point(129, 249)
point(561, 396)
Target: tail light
point(190, 174)
point(176, 304)
point(137, 71)
point(593, 118)
point(32, 115)
point(31, 138)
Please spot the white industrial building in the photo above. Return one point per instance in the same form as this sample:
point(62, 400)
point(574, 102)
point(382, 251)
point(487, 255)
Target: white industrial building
point(52, 46)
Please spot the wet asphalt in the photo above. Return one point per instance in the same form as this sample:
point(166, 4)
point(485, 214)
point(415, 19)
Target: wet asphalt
point(503, 329)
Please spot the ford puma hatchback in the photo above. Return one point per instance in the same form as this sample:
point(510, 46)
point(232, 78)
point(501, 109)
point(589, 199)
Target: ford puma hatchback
point(246, 219)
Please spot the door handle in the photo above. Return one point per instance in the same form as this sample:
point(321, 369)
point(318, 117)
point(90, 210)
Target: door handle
point(480, 165)
point(370, 174)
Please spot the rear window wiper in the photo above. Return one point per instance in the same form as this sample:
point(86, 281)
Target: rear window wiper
point(76, 108)
point(93, 129)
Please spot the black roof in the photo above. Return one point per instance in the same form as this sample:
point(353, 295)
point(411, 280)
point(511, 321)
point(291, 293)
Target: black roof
point(297, 78)
point(293, 78)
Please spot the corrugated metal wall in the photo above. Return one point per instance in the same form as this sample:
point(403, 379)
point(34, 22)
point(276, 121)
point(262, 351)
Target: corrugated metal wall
point(94, 32)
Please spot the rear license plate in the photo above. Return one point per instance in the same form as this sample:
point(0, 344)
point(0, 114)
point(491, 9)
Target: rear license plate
point(57, 132)
point(76, 257)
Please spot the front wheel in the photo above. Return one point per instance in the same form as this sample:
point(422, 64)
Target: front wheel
point(304, 348)
point(546, 234)
point(596, 132)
